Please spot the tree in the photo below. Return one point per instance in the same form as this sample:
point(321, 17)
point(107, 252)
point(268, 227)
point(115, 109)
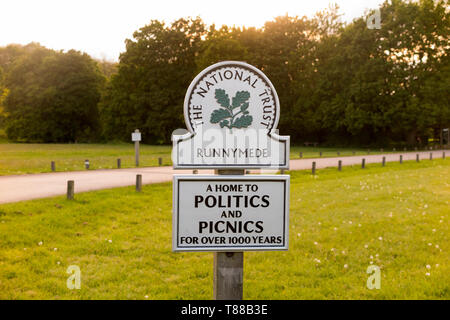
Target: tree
point(369, 86)
point(411, 40)
point(53, 97)
point(107, 68)
point(318, 79)
point(435, 97)
point(281, 41)
point(220, 46)
point(153, 74)
point(337, 83)
point(3, 94)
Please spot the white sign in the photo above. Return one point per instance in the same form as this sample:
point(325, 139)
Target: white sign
point(136, 136)
point(230, 213)
point(231, 110)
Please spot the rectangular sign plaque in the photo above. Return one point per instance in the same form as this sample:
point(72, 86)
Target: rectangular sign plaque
point(136, 136)
point(230, 213)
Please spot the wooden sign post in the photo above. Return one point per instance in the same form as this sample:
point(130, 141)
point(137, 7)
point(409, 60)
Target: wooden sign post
point(229, 213)
point(228, 276)
point(228, 273)
point(136, 137)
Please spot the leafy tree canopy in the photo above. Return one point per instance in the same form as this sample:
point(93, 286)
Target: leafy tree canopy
point(337, 82)
point(53, 97)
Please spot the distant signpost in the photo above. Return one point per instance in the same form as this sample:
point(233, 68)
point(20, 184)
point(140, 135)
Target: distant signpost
point(231, 110)
point(136, 137)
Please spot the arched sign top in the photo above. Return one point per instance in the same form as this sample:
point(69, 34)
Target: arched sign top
point(231, 95)
point(231, 110)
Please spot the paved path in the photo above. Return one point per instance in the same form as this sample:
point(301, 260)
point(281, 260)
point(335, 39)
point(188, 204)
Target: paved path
point(348, 161)
point(31, 186)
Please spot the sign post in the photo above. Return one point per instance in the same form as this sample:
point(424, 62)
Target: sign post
point(136, 137)
point(228, 273)
point(231, 110)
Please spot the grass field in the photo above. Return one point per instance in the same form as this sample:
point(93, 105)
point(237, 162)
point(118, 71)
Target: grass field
point(21, 158)
point(396, 217)
point(18, 158)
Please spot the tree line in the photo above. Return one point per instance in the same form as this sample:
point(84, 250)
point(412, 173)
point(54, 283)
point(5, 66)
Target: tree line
point(338, 83)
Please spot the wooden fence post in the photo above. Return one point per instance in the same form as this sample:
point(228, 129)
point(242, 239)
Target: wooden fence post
point(383, 162)
point(313, 170)
point(70, 189)
point(401, 159)
point(340, 165)
point(139, 182)
point(119, 163)
point(52, 165)
point(160, 161)
point(417, 157)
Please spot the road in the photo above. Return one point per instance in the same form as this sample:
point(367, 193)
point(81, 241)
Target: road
point(32, 186)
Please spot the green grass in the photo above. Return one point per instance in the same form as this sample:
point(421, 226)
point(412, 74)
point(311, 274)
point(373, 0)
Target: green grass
point(21, 158)
point(396, 217)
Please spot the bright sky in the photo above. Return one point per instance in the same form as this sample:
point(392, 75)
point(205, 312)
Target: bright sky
point(100, 27)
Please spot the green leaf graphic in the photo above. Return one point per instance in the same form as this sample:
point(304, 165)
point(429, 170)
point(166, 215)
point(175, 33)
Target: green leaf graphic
point(219, 115)
point(243, 122)
point(225, 115)
point(224, 123)
point(222, 98)
point(244, 107)
point(240, 98)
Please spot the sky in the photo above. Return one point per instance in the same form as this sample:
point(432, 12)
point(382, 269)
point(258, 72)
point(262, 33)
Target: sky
point(100, 27)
